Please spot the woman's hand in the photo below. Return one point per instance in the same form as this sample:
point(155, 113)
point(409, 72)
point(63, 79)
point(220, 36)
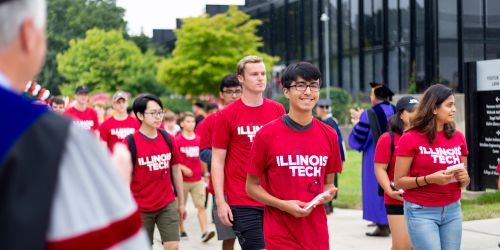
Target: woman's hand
point(440, 177)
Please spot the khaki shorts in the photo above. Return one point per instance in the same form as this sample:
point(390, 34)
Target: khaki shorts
point(197, 190)
point(167, 221)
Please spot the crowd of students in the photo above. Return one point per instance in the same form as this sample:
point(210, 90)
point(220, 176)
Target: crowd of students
point(270, 171)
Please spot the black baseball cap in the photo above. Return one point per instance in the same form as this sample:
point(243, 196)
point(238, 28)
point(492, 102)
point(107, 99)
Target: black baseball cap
point(406, 103)
point(82, 89)
point(381, 90)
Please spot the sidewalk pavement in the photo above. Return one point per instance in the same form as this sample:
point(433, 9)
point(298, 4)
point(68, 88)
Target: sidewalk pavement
point(347, 231)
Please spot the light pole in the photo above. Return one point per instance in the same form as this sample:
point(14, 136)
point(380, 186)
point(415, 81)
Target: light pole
point(326, 35)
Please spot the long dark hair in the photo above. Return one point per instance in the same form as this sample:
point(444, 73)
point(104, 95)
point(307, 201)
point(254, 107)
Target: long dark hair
point(425, 121)
point(396, 125)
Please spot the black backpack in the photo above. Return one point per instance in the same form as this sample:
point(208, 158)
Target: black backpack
point(133, 152)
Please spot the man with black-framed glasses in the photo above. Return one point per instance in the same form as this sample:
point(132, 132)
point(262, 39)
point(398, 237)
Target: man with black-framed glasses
point(293, 160)
point(230, 90)
point(155, 158)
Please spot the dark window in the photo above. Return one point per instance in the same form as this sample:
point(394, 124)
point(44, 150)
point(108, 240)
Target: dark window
point(447, 16)
point(404, 10)
point(368, 63)
point(346, 74)
point(378, 66)
point(355, 74)
point(368, 23)
point(394, 69)
point(354, 24)
point(346, 26)
point(473, 51)
point(492, 19)
point(472, 19)
point(406, 69)
point(378, 14)
point(393, 27)
point(448, 64)
point(492, 51)
point(420, 22)
point(308, 31)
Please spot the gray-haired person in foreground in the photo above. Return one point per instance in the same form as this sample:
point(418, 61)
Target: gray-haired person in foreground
point(58, 186)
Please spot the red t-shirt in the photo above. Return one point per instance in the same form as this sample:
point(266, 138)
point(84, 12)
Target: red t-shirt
point(204, 130)
point(189, 156)
point(236, 127)
point(151, 185)
point(429, 158)
point(498, 168)
point(112, 131)
point(86, 119)
point(382, 154)
point(294, 165)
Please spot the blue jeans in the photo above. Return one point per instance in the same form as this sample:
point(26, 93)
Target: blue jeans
point(434, 228)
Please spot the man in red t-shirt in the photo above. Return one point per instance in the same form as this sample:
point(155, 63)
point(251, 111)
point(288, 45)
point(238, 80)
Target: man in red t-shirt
point(229, 91)
point(293, 160)
point(192, 172)
point(117, 127)
point(151, 182)
point(498, 179)
point(83, 116)
point(232, 139)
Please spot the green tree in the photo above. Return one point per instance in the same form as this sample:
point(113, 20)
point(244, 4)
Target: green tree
point(70, 19)
point(105, 61)
point(208, 48)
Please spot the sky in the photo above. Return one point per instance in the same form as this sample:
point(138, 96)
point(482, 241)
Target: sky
point(146, 15)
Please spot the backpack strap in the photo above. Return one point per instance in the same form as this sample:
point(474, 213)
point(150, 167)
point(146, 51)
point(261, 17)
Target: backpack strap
point(132, 148)
point(165, 135)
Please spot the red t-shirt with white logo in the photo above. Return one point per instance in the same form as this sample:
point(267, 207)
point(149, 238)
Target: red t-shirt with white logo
point(86, 119)
point(112, 131)
point(382, 154)
point(429, 158)
point(151, 185)
point(204, 130)
point(294, 165)
point(189, 156)
point(236, 126)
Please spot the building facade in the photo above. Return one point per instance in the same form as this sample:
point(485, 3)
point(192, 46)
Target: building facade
point(403, 43)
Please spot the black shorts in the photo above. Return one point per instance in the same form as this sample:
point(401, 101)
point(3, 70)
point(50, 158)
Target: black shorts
point(248, 226)
point(394, 209)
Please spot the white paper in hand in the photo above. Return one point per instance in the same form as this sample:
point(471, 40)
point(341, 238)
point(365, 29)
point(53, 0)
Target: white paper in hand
point(315, 200)
point(450, 169)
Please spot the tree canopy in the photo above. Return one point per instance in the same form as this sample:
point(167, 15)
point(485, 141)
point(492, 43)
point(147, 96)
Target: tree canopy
point(207, 48)
point(70, 19)
point(105, 61)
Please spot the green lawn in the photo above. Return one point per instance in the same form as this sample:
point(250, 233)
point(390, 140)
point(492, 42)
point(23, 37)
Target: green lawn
point(484, 206)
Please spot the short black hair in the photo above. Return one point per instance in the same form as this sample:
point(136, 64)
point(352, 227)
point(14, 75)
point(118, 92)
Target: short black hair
point(212, 106)
point(229, 80)
point(305, 70)
point(141, 102)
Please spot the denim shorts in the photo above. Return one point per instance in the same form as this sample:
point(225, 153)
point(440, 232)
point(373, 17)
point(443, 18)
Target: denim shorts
point(434, 228)
point(248, 226)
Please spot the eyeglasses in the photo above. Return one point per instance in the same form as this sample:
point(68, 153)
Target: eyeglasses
point(323, 107)
point(232, 92)
point(159, 114)
point(302, 86)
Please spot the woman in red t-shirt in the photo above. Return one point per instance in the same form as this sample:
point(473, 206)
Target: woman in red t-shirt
point(384, 171)
point(432, 194)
